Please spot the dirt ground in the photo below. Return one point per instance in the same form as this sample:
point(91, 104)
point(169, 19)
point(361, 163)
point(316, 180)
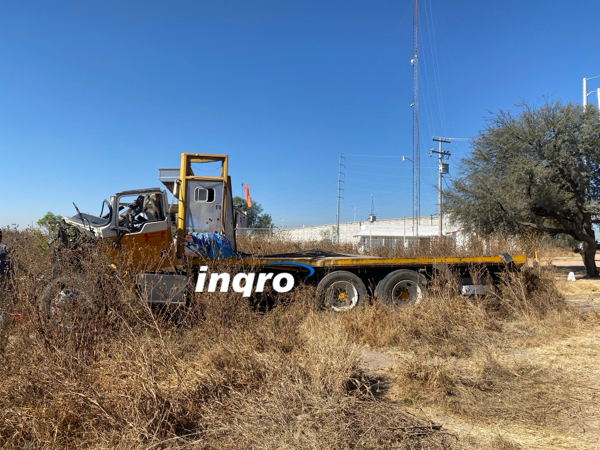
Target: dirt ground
point(582, 293)
point(572, 365)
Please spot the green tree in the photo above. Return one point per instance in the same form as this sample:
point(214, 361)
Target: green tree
point(253, 214)
point(49, 222)
point(538, 170)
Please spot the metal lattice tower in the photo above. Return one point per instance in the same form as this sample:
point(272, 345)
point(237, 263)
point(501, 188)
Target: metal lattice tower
point(339, 197)
point(415, 105)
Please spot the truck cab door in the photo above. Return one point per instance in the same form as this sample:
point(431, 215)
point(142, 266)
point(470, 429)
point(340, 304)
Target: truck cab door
point(143, 230)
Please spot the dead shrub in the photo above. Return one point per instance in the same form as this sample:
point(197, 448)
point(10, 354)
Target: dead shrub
point(531, 292)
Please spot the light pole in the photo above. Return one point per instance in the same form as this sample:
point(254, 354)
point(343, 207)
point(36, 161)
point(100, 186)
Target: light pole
point(597, 91)
point(354, 217)
point(415, 224)
point(586, 93)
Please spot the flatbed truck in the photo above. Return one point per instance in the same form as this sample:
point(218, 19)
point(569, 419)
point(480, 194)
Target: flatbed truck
point(158, 240)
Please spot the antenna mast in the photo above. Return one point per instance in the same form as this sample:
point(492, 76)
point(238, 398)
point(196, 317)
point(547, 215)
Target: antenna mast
point(337, 216)
point(415, 105)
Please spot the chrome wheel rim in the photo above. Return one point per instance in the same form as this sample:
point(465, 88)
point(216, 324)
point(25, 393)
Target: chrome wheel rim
point(341, 296)
point(405, 292)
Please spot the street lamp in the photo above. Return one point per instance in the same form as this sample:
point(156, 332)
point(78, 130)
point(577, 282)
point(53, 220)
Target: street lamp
point(586, 93)
point(354, 219)
point(597, 91)
point(415, 225)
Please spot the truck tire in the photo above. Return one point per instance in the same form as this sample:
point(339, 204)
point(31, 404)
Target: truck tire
point(341, 291)
point(401, 287)
point(64, 296)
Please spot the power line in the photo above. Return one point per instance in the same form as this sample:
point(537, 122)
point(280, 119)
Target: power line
point(458, 139)
point(387, 166)
point(373, 156)
point(436, 68)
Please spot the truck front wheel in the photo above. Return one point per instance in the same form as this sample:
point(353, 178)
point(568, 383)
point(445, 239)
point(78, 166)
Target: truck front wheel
point(401, 287)
point(341, 291)
point(64, 297)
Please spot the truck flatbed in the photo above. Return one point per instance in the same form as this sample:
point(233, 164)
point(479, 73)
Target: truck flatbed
point(321, 259)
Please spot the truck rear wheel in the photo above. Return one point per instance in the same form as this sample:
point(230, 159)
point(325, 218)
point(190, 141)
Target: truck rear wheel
point(341, 291)
point(401, 287)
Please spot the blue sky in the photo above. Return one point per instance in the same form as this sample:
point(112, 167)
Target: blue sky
point(96, 96)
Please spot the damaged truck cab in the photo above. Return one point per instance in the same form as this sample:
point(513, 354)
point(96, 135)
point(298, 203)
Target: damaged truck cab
point(147, 235)
point(136, 227)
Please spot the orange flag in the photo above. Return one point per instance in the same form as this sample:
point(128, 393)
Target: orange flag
point(248, 201)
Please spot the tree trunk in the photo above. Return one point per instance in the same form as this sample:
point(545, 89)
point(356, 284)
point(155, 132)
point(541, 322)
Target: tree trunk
point(588, 254)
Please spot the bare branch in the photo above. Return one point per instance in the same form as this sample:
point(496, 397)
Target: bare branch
point(543, 228)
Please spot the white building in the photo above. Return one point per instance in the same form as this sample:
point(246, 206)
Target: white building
point(386, 232)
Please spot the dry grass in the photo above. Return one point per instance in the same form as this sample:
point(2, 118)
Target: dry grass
point(217, 375)
point(496, 371)
point(222, 375)
point(579, 287)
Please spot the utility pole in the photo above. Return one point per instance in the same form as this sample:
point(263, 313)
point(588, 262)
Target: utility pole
point(337, 217)
point(415, 63)
point(442, 168)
